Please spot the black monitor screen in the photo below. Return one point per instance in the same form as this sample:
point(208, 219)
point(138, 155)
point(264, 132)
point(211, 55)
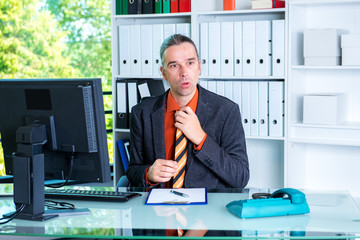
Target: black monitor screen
point(72, 111)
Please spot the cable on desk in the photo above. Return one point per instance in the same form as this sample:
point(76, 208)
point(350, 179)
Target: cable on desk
point(51, 204)
point(13, 215)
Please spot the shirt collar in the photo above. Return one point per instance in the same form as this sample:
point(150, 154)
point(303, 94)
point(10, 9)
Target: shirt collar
point(171, 104)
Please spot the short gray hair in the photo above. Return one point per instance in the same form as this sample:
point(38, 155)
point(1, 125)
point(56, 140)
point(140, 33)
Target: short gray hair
point(173, 40)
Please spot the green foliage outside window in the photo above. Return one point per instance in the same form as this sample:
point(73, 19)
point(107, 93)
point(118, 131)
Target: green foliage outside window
point(56, 39)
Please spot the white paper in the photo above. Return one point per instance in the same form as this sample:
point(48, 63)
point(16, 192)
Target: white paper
point(164, 196)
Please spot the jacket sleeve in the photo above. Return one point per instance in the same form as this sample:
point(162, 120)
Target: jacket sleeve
point(224, 152)
point(137, 165)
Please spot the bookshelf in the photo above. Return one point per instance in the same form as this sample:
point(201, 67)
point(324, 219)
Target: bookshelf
point(322, 156)
point(267, 154)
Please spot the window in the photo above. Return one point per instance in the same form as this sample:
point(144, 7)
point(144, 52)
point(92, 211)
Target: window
point(57, 39)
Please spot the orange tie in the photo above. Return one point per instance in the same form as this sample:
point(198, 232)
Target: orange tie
point(180, 158)
point(181, 222)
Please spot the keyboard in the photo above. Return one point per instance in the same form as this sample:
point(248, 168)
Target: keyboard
point(92, 195)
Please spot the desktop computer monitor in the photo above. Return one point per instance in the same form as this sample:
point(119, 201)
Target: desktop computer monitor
point(72, 112)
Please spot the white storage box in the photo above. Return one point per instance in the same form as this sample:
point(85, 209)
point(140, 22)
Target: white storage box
point(350, 40)
point(322, 46)
point(350, 47)
point(351, 56)
point(324, 108)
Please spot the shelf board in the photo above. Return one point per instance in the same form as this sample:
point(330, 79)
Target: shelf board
point(281, 78)
point(303, 67)
point(152, 16)
point(209, 77)
point(314, 3)
point(138, 77)
point(347, 134)
point(264, 138)
point(245, 11)
point(345, 125)
point(338, 142)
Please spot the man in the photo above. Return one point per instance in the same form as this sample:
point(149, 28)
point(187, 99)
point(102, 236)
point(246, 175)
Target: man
point(215, 148)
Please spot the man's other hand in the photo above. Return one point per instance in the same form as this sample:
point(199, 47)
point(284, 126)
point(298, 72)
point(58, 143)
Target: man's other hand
point(161, 171)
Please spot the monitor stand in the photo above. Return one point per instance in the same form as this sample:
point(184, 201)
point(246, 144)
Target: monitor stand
point(28, 168)
point(29, 187)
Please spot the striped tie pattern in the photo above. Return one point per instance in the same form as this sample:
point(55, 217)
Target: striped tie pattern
point(180, 158)
point(181, 222)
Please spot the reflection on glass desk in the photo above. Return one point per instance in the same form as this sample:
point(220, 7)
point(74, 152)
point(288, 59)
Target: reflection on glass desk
point(333, 215)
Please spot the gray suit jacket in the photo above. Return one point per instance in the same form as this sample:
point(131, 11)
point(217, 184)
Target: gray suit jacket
point(221, 163)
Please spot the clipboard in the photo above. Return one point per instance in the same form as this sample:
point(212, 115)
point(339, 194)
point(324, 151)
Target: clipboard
point(179, 196)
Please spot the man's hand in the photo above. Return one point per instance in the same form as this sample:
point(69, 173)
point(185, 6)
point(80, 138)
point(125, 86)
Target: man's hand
point(187, 121)
point(161, 171)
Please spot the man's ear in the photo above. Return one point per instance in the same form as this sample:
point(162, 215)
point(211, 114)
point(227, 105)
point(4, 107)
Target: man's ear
point(162, 70)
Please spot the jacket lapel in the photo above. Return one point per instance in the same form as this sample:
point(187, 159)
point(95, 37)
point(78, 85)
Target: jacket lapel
point(202, 111)
point(203, 107)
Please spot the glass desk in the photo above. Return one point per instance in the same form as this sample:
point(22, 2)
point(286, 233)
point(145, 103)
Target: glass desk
point(333, 215)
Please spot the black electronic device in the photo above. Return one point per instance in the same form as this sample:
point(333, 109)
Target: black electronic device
point(93, 195)
point(52, 129)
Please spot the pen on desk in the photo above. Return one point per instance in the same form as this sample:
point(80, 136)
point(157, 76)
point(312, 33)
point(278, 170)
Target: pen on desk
point(179, 193)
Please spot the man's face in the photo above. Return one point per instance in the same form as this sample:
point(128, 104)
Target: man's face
point(181, 69)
